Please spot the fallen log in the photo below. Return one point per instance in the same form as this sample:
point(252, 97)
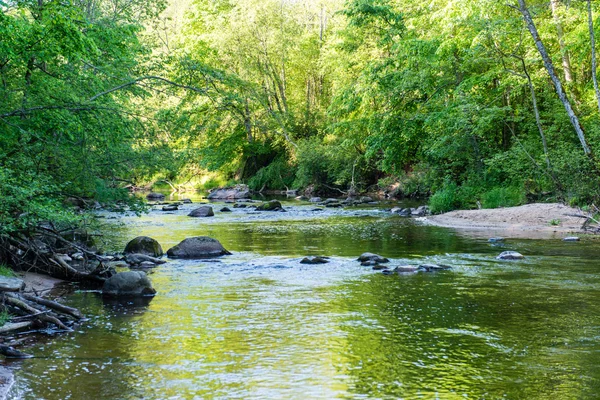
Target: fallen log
point(10, 327)
point(15, 301)
point(61, 308)
point(9, 352)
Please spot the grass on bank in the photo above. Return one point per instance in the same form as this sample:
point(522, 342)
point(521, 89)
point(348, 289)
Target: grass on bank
point(453, 197)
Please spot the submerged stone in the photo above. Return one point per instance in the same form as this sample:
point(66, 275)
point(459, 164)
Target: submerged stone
point(496, 240)
point(510, 255)
point(433, 267)
point(379, 267)
point(314, 260)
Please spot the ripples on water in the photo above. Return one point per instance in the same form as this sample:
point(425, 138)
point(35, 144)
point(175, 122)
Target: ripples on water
point(259, 325)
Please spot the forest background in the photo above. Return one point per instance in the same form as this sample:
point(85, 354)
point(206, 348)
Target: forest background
point(484, 102)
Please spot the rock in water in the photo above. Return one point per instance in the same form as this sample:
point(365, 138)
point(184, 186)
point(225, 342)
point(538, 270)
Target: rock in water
point(379, 267)
point(496, 240)
point(571, 239)
point(420, 211)
point(198, 247)
point(170, 207)
point(372, 257)
point(510, 255)
point(204, 211)
point(233, 192)
point(128, 284)
point(140, 258)
point(272, 205)
point(144, 245)
point(314, 260)
point(155, 196)
point(405, 269)
point(433, 267)
point(225, 209)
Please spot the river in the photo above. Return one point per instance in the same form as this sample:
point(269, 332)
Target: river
point(260, 325)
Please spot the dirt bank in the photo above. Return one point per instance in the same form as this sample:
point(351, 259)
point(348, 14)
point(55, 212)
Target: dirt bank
point(42, 285)
point(539, 220)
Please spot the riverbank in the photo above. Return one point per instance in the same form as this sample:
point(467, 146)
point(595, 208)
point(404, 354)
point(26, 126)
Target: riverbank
point(537, 220)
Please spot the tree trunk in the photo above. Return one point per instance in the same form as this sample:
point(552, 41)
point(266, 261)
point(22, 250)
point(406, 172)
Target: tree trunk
point(593, 44)
point(536, 112)
point(552, 73)
point(566, 60)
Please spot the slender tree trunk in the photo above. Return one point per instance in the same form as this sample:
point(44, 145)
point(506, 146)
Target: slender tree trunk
point(566, 60)
point(552, 73)
point(248, 122)
point(536, 112)
point(593, 44)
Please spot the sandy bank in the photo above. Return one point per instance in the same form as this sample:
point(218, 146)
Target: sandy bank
point(539, 220)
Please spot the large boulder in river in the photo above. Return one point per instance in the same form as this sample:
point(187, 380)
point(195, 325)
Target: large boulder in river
point(204, 211)
point(272, 205)
point(198, 247)
point(144, 245)
point(128, 284)
point(232, 192)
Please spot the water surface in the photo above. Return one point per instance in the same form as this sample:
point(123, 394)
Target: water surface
point(260, 325)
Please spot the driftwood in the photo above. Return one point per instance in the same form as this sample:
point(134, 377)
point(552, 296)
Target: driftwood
point(15, 326)
point(39, 251)
point(9, 352)
point(54, 305)
point(17, 301)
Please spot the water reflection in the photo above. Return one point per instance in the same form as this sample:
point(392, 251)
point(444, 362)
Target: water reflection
point(260, 325)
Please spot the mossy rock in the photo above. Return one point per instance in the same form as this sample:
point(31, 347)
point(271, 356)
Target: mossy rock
point(144, 245)
point(272, 205)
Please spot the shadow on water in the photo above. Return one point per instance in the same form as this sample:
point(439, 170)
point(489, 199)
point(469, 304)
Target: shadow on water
point(260, 325)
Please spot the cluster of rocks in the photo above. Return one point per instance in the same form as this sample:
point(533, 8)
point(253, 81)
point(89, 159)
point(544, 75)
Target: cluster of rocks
point(411, 212)
point(143, 253)
point(315, 260)
point(208, 211)
point(232, 192)
point(376, 262)
point(336, 203)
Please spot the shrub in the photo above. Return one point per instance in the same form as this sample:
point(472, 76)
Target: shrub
point(503, 197)
point(277, 175)
point(446, 199)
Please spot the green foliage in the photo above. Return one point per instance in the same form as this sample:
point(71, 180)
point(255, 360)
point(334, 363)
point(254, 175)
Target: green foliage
point(503, 197)
point(4, 317)
point(6, 271)
point(277, 175)
point(447, 199)
point(212, 182)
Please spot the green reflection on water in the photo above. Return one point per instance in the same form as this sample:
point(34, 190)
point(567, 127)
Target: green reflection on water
point(260, 325)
